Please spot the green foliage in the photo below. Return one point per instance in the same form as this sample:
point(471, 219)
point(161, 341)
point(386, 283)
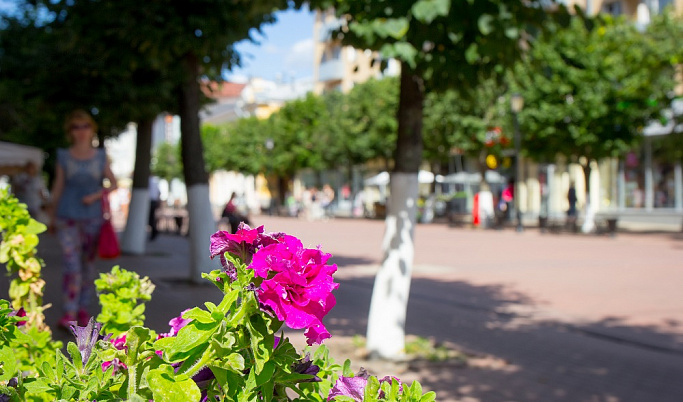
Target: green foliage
point(456, 121)
point(30, 343)
point(229, 351)
point(317, 132)
point(590, 89)
point(437, 39)
point(166, 162)
point(362, 124)
point(293, 129)
point(238, 146)
point(120, 293)
point(18, 253)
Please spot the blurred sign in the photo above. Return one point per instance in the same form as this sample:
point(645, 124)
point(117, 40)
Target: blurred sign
point(491, 162)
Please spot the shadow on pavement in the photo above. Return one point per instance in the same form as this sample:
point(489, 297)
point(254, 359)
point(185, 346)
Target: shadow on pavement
point(515, 356)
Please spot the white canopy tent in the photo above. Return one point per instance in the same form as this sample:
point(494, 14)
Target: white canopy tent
point(382, 179)
point(491, 177)
point(13, 157)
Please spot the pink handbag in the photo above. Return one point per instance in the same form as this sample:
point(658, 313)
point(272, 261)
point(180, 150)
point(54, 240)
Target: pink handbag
point(108, 245)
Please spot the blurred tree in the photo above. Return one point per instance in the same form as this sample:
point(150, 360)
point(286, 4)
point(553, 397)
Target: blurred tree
point(441, 44)
point(589, 91)
point(238, 146)
point(167, 163)
point(295, 146)
point(190, 40)
point(369, 123)
point(93, 67)
point(361, 125)
point(462, 124)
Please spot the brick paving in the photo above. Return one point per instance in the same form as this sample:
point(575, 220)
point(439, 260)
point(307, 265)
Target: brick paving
point(573, 317)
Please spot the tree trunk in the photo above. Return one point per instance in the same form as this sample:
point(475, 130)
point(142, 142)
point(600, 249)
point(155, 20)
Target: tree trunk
point(389, 304)
point(202, 222)
point(282, 188)
point(135, 234)
point(589, 217)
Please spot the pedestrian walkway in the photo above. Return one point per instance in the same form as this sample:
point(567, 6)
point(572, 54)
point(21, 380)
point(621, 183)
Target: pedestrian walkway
point(563, 317)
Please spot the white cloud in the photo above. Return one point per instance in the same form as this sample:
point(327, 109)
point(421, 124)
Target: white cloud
point(299, 57)
point(271, 49)
point(238, 78)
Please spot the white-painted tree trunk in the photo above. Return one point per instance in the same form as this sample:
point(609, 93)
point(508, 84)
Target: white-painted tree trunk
point(134, 239)
point(589, 219)
point(202, 225)
point(389, 304)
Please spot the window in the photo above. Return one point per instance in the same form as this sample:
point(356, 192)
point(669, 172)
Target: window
point(613, 8)
point(662, 4)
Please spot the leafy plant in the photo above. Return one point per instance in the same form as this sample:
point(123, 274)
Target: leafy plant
point(26, 339)
point(119, 292)
point(230, 351)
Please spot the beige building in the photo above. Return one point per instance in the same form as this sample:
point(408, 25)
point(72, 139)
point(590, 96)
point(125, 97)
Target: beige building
point(338, 67)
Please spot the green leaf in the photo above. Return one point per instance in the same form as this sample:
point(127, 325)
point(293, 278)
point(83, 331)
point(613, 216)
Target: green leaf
point(200, 315)
point(261, 341)
point(35, 227)
point(512, 32)
point(426, 11)
point(401, 50)
point(266, 374)
point(472, 53)
point(397, 28)
point(9, 363)
point(228, 301)
point(48, 372)
point(37, 386)
point(485, 24)
point(346, 370)
point(343, 398)
point(371, 389)
point(68, 392)
point(75, 354)
point(191, 336)
point(166, 386)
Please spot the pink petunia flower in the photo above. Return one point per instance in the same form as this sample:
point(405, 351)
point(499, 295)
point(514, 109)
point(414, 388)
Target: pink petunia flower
point(243, 244)
point(178, 323)
point(298, 285)
point(353, 387)
point(118, 343)
point(19, 313)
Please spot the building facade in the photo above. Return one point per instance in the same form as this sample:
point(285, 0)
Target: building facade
point(338, 67)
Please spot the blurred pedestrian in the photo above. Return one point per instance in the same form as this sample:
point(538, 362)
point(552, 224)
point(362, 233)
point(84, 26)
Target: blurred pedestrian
point(154, 203)
point(327, 200)
point(233, 215)
point(29, 188)
point(76, 212)
point(507, 199)
point(571, 212)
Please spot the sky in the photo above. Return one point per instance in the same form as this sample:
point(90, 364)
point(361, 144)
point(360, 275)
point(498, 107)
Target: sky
point(285, 50)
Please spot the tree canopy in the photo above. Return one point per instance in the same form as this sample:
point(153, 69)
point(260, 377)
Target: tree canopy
point(590, 89)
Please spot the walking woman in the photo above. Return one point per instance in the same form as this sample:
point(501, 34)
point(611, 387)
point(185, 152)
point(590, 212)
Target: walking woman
point(76, 212)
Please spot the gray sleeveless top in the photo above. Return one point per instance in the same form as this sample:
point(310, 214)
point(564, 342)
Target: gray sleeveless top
point(81, 177)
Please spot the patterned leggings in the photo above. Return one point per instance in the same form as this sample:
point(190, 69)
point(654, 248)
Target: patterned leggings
point(78, 239)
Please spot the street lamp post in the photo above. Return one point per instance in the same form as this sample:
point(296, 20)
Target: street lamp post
point(270, 144)
point(516, 105)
